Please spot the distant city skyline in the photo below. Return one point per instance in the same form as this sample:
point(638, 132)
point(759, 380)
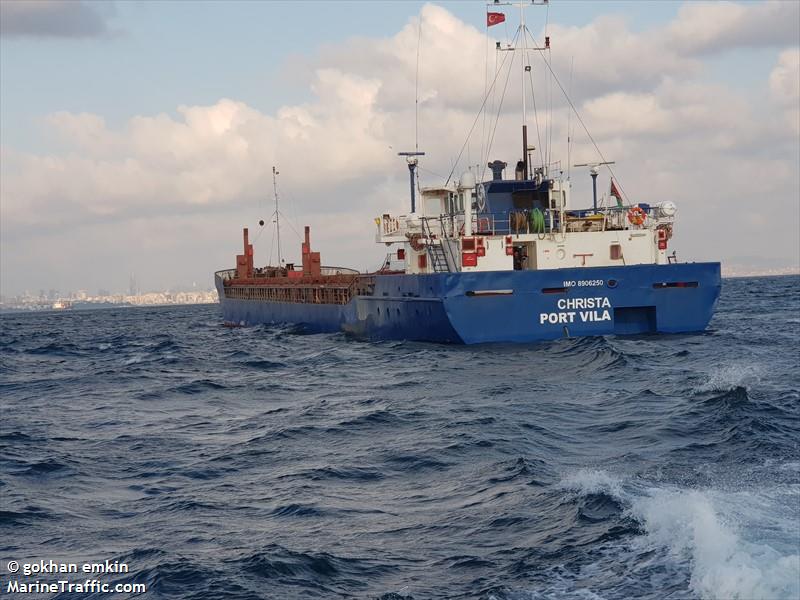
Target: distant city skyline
point(140, 137)
point(81, 293)
point(53, 299)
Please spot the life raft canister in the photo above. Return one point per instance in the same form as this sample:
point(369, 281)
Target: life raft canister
point(637, 216)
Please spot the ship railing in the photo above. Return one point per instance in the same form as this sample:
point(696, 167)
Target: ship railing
point(389, 224)
point(515, 222)
point(229, 274)
point(617, 217)
point(512, 222)
point(226, 274)
point(338, 271)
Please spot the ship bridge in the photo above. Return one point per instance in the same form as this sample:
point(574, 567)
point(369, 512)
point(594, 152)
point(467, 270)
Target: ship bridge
point(522, 224)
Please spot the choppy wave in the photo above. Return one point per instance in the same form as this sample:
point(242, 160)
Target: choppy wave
point(265, 462)
point(723, 564)
point(727, 556)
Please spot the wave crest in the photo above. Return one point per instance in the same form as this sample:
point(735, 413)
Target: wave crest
point(724, 565)
point(730, 377)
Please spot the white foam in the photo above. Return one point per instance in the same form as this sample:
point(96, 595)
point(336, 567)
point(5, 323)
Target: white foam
point(723, 565)
point(135, 359)
point(555, 592)
point(717, 536)
point(793, 465)
point(593, 481)
point(728, 377)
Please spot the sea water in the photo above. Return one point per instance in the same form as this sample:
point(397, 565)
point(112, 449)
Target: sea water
point(265, 463)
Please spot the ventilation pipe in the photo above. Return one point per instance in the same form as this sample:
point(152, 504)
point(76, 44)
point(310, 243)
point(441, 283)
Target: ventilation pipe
point(465, 186)
point(497, 167)
point(519, 172)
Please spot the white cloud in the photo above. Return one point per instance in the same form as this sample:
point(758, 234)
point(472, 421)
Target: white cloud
point(674, 110)
point(784, 85)
point(452, 54)
point(607, 56)
point(784, 81)
point(707, 27)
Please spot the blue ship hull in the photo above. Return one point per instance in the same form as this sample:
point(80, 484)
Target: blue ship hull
point(508, 306)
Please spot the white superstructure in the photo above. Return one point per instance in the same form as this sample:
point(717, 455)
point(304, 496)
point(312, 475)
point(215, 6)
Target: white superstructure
point(451, 231)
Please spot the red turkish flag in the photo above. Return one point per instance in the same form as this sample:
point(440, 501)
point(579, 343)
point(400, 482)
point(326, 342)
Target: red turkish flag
point(494, 18)
point(614, 191)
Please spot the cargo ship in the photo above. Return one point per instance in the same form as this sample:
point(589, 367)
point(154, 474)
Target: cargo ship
point(505, 259)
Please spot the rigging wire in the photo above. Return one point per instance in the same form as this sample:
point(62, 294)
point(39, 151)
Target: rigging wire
point(502, 98)
point(260, 220)
point(273, 239)
point(431, 172)
point(580, 120)
point(549, 95)
point(483, 104)
point(490, 108)
point(416, 106)
point(494, 99)
point(569, 119)
point(416, 89)
point(535, 110)
point(276, 216)
point(271, 246)
point(294, 209)
point(550, 123)
point(485, 86)
point(258, 235)
point(261, 209)
point(289, 223)
point(549, 90)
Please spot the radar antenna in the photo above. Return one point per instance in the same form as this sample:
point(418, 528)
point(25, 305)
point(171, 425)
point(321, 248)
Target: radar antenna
point(593, 171)
point(411, 159)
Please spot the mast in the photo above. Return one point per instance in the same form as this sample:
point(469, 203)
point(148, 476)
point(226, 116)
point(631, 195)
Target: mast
point(277, 214)
point(524, 101)
point(522, 30)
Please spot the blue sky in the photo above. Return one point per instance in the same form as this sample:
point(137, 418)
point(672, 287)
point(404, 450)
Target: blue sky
point(149, 128)
point(158, 55)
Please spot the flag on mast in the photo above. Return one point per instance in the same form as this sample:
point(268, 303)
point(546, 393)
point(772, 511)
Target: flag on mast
point(614, 191)
point(494, 18)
